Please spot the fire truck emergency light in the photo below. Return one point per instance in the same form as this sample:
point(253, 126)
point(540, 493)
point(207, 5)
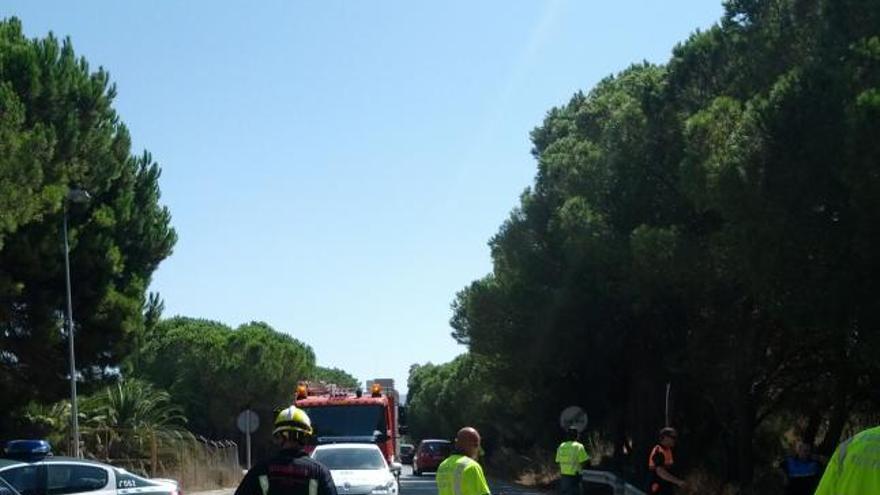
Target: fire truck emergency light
point(377, 390)
point(302, 391)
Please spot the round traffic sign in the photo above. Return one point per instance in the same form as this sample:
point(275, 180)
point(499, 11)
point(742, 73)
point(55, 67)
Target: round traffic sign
point(573, 417)
point(248, 421)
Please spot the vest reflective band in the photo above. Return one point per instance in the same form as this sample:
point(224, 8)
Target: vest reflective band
point(264, 485)
point(855, 467)
point(461, 475)
point(668, 460)
point(460, 466)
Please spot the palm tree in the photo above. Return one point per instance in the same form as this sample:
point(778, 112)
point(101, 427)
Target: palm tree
point(116, 422)
point(131, 413)
point(52, 421)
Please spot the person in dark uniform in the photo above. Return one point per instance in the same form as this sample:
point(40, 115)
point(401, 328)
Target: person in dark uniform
point(292, 471)
point(802, 470)
point(660, 463)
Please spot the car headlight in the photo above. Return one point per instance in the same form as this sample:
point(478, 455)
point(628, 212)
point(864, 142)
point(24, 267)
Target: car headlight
point(385, 489)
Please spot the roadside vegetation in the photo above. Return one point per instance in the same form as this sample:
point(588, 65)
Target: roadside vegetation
point(141, 379)
point(710, 224)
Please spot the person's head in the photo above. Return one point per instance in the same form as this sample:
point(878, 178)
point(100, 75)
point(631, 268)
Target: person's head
point(572, 434)
point(293, 428)
point(803, 449)
point(668, 436)
point(467, 441)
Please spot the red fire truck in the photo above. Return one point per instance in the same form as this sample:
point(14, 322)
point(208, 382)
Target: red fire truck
point(341, 415)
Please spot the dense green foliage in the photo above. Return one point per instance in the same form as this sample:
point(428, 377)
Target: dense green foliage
point(712, 223)
point(214, 371)
point(117, 422)
point(58, 130)
point(335, 376)
point(441, 397)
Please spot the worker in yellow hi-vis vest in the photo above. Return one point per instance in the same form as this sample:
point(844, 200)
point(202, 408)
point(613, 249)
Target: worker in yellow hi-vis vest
point(854, 469)
point(460, 473)
point(571, 456)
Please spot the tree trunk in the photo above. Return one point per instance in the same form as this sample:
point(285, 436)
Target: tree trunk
point(645, 406)
point(812, 428)
point(744, 438)
point(744, 406)
point(154, 455)
point(839, 415)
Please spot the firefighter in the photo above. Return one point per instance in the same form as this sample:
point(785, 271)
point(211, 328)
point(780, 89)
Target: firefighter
point(660, 462)
point(571, 456)
point(854, 469)
point(292, 471)
point(460, 473)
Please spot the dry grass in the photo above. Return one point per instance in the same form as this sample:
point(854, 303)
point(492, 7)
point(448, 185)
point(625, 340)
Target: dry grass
point(702, 483)
point(535, 468)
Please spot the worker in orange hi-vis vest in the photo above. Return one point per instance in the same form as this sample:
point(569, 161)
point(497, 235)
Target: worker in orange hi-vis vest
point(660, 462)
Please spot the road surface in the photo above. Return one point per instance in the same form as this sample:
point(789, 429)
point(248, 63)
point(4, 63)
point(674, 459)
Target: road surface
point(418, 485)
point(426, 485)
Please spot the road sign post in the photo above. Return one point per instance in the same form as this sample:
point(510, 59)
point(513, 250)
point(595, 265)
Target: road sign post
point(247, 423)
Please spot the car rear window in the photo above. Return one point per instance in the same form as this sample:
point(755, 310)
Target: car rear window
point(350, 459)
point(437, 448)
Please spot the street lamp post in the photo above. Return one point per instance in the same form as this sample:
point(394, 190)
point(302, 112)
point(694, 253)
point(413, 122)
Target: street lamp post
point(73, 196)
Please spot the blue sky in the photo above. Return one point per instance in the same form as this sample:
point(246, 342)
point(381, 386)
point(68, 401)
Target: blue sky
point(336, 168)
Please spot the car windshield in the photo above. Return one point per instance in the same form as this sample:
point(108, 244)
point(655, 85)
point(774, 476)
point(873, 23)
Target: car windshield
point(346, 421)
point(350, 459)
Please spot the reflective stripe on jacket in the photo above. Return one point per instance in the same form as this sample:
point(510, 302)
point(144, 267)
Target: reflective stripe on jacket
point(461, 475)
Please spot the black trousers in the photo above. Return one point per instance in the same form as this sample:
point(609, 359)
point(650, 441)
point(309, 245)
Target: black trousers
point(570, 484)
point(660, 487)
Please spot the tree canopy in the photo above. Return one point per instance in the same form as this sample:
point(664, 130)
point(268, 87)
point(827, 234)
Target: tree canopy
point(214, 371)
point(59, 131)
point(335, 376)
point(710, 223)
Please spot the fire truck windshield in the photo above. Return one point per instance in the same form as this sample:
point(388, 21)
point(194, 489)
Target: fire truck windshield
point(347, 421)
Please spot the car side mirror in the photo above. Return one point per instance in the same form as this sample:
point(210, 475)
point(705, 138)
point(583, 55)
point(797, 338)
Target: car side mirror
point(396, 468)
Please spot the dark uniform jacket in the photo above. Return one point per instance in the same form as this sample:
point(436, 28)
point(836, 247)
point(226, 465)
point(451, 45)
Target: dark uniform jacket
point(291, 472)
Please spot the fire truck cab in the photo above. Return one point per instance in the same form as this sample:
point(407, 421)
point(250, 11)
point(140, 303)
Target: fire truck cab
point(344, 416)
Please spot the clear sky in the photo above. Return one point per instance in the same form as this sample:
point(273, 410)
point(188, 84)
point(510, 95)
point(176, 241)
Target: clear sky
point(336, 168)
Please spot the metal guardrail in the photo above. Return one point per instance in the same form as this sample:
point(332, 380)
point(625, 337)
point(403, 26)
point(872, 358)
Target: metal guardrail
point(619, 486)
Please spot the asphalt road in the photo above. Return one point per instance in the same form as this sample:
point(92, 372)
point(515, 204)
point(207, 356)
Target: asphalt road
point(419, 485)
point(426, 485)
